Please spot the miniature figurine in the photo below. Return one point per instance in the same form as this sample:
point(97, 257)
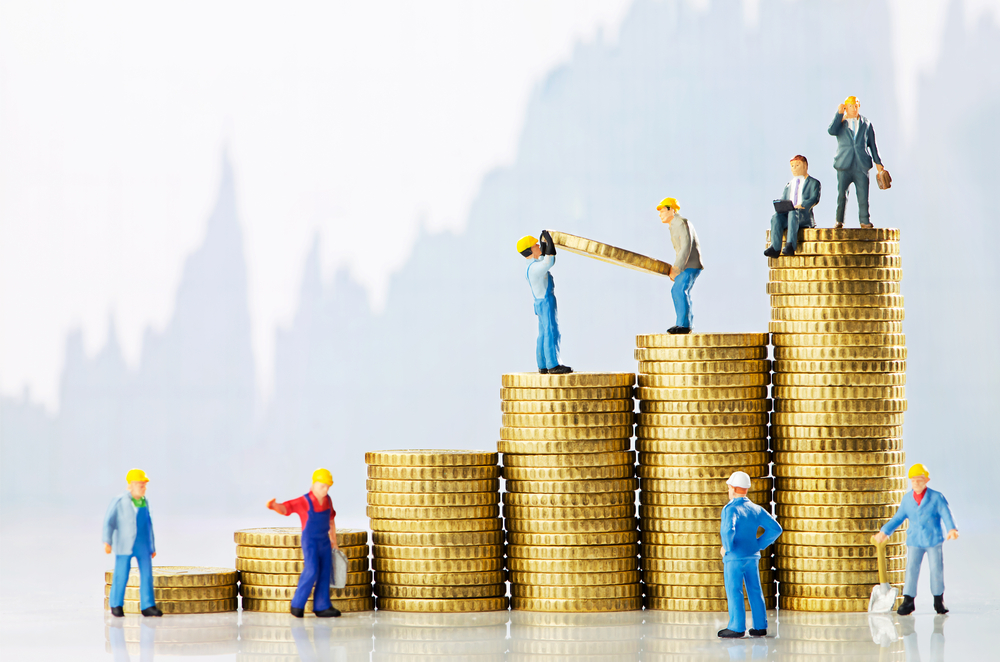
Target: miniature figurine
point(741, 547)
point(687, 266)
point(803, 192)
point(926, 509)
point(541, 258)
point(319, 539)
point(128, 530)
point(856, 150)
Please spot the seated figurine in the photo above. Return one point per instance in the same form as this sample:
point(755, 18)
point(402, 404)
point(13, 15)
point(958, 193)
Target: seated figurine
point(803, 192)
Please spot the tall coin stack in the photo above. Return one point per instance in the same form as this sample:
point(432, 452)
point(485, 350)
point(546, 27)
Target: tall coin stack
point(270, 562)
point(181, 590)
point(840, 370)
point(702, 415)
point(435, 519)
point(569, 506)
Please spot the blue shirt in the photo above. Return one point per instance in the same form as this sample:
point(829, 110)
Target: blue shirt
point(741, 518)
point(925, 519)
point(538, 275)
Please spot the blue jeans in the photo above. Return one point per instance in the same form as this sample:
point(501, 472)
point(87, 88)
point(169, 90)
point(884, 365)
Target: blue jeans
point(123, 565)
point(681, 293)
point(935, 559)
point(860, 180)
point(791, 221)
point(547, 347)
point(736, 573)
point(317, 558)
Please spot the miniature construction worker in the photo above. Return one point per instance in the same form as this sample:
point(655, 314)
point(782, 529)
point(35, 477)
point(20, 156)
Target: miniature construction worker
point(541, 257)
point(741, 547)
point(128, 530)
point(927, 510)
point(687, 265)
point(856, 150)
point(803, 192)
point(319, 539)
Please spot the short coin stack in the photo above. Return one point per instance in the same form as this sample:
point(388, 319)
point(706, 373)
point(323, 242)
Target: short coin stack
point(569, 506)
point(270, 562)
point(839, 376)
point(181, 590)
point(703, 411)
point(435, 519)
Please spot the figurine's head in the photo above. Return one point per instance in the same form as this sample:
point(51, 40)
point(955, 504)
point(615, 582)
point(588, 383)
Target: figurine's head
point(667, 208)
point(322, 482)
point(136, 479)
point(919, 476)
point(800, 166)
point(851, 107)
point(528, 247)
point(739, 484)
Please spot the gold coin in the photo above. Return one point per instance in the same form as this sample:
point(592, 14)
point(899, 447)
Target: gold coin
point(440, 552)
point(850, 418)
point(569, 500)
point(704, 460)
point(681, 513)
point(679, 525)
point(714, 420)
point(610, 254)
point(840, 366)
point(434, 473)
point(839, 498)
point(845, 471)
point(565, 434)
point(699, 447)
point(702, 433)
point(706, 579)
point(835, 261)
point(282, 606)
point(706, 552)
point(573, 486)
point(577, 592)
point(695, 592)
point(844, 248)
point(704, 381)
point(848, 353)
point(430, 458)
point(827, 578)
point(290, 567)
point(694, 486)
point(413, 486)
point(837, 315)
point(829, 591)
point(660, 538)
point(836, 274)
point(839, 553)
point(833, 340)
point(704, 406)
point(550, 447)
point(560, 513)
point(182, 606)
point(436, 565)
point(167, 594)
point(838, 235)
point(576, 605)
point(436, 526)
point(836, 484)
point(882, 512)
point(826, 605)
point(289, 536)
point(567, 420)
point(569, 380)
point(838, 432)
point(840, 539)
point(895, 563)
point(566, 406)
point(599, 566)
point(831, 525)
point(433, 500)
point(615, 393)
point(181, 576)
point(702, 367)
point(458, 538)
point(702, 340)
point(842, 406)
point(292, 553)
point(442, 606)
point(572, 580)
point(831, 327)
point(837, 446)
point(841, 287)
point(265, 579)
point(699, 393)
point(288, 592)
point(571, 539)
point(839, 392)
point(433, 512)
point(694, 604)
point(576, 460)
point(568, 473)
point(441, 592)
point(702, 354)
point(440, 578)
point(688, 473)
point(660, 567)
point(572, 553)
point(686, 502)
point(570, 526)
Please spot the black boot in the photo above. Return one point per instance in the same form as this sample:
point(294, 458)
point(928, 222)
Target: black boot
point(939, 604)
point(560, 370)
point(730, 634)
point(681, 330)
point(771, 252)
point(118, 611)
point(296, 612)
point(152, 611)
point(758, 633)
point(543, 371)
point(328, 613)
point(788, 251)
point(907, 607)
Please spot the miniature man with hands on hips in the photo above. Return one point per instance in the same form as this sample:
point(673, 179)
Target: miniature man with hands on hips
point(741, 547)
point(927, 510)
point(319, 539)
point(687, 266)
point(128, 530)
point(541, 258)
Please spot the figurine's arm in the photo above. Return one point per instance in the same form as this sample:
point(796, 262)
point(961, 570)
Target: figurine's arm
point(809, 203)
point(838, 122)
point(873, 148)
point(333, 528)
point(682, 249)
point(277, 507)
point(110, 524)
point(727, 530)
point(949, 523)
point(771, 530)
point(894, 523)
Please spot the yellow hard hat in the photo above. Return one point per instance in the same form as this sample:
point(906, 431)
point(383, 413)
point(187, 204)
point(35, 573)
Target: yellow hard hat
point(668, 202)
point(323, 476)
point(851, 101)
point(525, 242)
point(134, 475)
point(918, 470)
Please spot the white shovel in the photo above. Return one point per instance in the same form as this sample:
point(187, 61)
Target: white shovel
point(883, 594)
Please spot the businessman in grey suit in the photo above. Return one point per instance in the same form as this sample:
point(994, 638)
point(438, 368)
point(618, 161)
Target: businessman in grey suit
point(856, 150)
point(803, 191)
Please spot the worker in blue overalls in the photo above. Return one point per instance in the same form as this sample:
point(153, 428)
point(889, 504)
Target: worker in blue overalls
point(741, 547)
point(541, 258)
point(128, 530)
point(319, 539)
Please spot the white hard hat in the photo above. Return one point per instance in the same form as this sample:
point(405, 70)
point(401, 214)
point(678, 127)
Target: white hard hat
point(739, 479)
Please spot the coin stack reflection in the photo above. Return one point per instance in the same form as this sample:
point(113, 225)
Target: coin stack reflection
point(268, 637)
point(568, 637)
point(806, 637)
point(270, 561)
point(702, 416)
point(468, 637)
point(181, 590)
point(435, 519)
point(669, 636)
point(569, 505)
point(187, 635)
point(839, 375)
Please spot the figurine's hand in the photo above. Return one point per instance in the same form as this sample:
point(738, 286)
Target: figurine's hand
point(879, 167)
point(107, 548)
point(153, 555)
point(952, 535)
point(674, 272)
point(879, 538)
point(799, 207)
point(841, 108)
point(723, 550)
point(276, 507)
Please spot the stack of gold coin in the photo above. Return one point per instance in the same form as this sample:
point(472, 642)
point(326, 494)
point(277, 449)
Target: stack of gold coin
point(571, 637)
point(270, 562)
point(435, 518)
point(569, 506)
point(273, 637)
point(441, 637)
point(702, 415)
point(180, 589)
point(839, 398)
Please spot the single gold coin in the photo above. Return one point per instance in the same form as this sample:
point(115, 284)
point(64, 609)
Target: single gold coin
point(573, 539)
point(439, 552)
point(736, 380)
point(752, 353)
point(456, 538)
point(696, 578)
point(835, 261)
point(566, 406)
point(827, 578)
point(840, 418)
point(704, 460)
point(570, 526)
point(839, 539)
point(835, 432)
point(425, 486)
point(869, 406)
point(568, 473)
point(288, 592)
point(697, 501)
point(682, 604)
point(837, 314)
point(714, 420)
point(661, 538)
point(706, 565)
point(848, 353)
point(182, 606)
point(289, 536)
point(833, 340)
point(266, 579)
point(882, 512)
point(440, 578)
point(451, 499)
point(841, 287)
point(441, 592)
point(702, 393)
point(290, 567)
point(282, 606)
point(575, 460)
point(826, 605)
point(700, 433)
point(610, 254)
point(895, 563)
point(548, 566)
point(573, 579)
point(177, 594)
point(573, 486)
point(835, 484)
point(835, 236)
point(702, 340)
point(600, 499)
point(839, 498)
point(569, 380)
point(292, 553)
point(567, 420)
point(868, 552)
point(841, 379)
point(576, 605)
point(432, 512)
point(555, 447)
point(533, 394)
point(703, 367)
point(565, 434)
point(700, 447)
point(835, 274)
point(828, 591)
point(832, 327)
point(437, 526)
point(181, 576)
point(694, 486)
point(430, 458)
point(679, 525)
point(436, 565)
point(688, 473)
point(571, 553)
point(434, 473)
point(704, 406)
point(831, 525)
point(577, 592)
point(837, 446)
point(571, 513)
point(842, 471)
point(654, 590)
point(680, 513)
point(839, 366)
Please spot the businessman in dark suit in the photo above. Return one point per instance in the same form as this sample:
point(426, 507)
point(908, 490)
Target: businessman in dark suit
point(856, 150)
point(803, 191)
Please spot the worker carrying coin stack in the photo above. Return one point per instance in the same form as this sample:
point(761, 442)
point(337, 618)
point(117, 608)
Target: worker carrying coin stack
point(319, 539)
point(128, 530)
